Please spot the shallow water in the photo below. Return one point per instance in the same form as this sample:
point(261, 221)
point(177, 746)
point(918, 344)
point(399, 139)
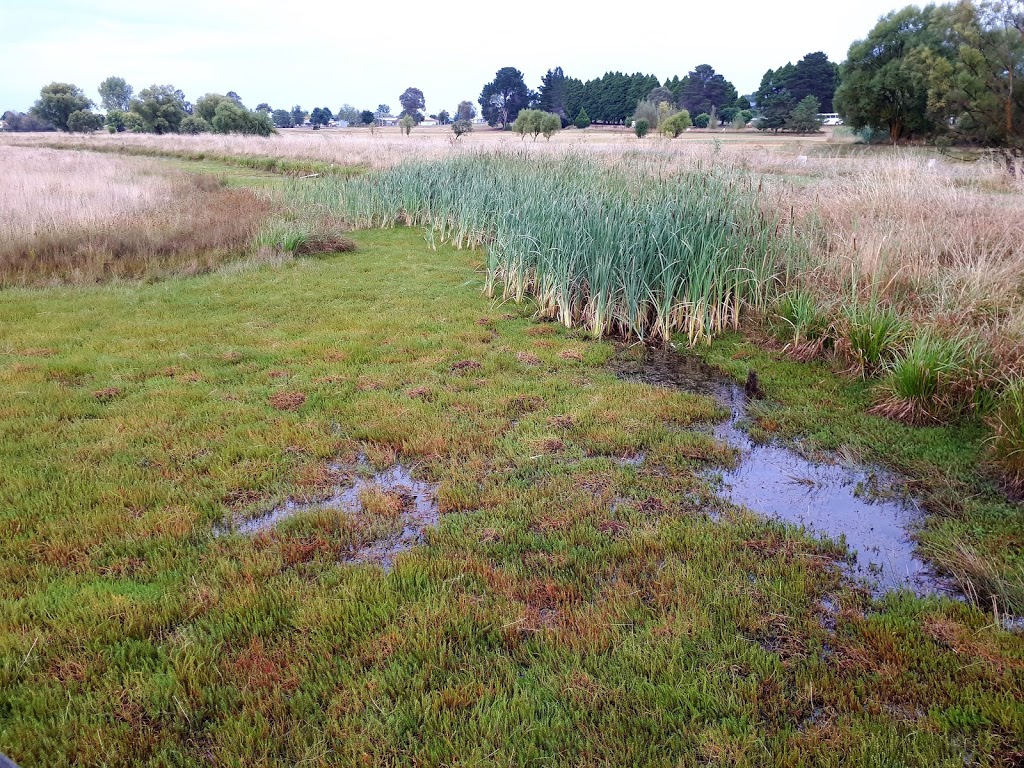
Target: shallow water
point(419, 512)
point(836, 500)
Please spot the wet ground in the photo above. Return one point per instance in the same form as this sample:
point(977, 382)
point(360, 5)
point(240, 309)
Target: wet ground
point(418, 511)
point(863, 506)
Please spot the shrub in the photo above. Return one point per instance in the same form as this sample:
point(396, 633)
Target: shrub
point(702, 120)
point(406, 124)
point(640, 128)
point(582, 119)
point(193, 125)
point(84, 121)
point(676, 124)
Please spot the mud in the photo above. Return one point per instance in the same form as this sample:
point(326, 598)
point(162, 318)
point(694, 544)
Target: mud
point(863, 506)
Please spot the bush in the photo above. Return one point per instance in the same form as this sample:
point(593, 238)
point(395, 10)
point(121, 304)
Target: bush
point(582, 119)
point(462, 127)
point(193, 125)
point(640, 128)
point(702, 120)
point(406, 124)
point(676, 124)
point(83, 121)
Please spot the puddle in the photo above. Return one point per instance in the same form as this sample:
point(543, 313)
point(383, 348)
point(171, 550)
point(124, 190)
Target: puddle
point(830, 500)
point(419, 512)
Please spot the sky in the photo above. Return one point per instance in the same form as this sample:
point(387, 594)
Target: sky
point(365, 53)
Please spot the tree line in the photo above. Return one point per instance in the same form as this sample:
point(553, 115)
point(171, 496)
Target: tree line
point(947, 74)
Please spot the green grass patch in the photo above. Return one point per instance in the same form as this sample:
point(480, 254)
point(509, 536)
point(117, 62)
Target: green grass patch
point(567, 609)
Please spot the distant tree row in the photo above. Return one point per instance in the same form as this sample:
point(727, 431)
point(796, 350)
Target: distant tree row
point(158, 109)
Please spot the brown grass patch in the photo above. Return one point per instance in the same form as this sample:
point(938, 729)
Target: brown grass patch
point(287, 401)
point(527, 359)
point(107, 394)
point(67, 226)
point(466, 365)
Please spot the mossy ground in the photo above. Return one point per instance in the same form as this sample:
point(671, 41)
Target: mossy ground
point(568, 610)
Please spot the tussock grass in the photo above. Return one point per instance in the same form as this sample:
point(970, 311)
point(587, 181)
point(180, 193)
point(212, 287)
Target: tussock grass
point(1006, 445)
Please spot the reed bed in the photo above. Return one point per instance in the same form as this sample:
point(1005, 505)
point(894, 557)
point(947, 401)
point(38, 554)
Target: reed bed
point(632, 249)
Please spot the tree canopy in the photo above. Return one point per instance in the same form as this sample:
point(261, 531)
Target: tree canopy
point(159, 109)
point(704, 89)
point(502, 99)
point(115, 93)
point(883, 86)
point(412, 102)
point(57, 102)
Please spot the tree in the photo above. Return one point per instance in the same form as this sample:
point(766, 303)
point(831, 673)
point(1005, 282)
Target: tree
point(159, 109)
point(298, 116)
point(234, 97)
point(978, 98)
point(550, 124)
point(320, 116)
point(264, 107)
point(193, 125)
point(57, 101)
point(25, 121)
point(660, 95)
point(804, 117)
point(465, 111)
point(412, 102)
point(703, 89)
point(206, 105)
point(84, 121)
point(676, 124)
point(461, 127)
point(115, 120)
point(640, 128)
point(282, 118)
point(365, 117)
point(882, 84)
point(814, 75)
point(383, 110)
point(702, 120)
point(582, 119)
point(406, 124)
point(232, 117)
point(349, 114)
point(115, 93)
point(647, 110)
point(775, 110)
point(532, 122)
point(502, 99)
point(552, 93)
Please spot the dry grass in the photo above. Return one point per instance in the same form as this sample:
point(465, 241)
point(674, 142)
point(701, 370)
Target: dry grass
point(73, 217)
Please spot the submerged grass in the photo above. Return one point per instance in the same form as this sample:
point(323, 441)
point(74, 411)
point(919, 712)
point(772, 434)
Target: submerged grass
point(633, 248)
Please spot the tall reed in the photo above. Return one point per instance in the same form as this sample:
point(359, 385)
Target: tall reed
point(633, 248)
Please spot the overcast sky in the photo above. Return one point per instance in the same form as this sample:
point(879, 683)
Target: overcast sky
point(316, 53)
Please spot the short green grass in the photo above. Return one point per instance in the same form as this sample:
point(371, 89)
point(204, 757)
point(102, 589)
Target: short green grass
point(566, 611)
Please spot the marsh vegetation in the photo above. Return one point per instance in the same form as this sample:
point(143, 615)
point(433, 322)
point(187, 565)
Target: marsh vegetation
point(202, 470)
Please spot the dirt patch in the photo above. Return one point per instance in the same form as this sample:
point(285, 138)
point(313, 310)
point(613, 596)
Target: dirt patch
point(287, 401)
point(107, 394)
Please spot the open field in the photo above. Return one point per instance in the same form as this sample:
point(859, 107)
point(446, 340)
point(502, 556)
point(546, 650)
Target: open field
point(529, 560)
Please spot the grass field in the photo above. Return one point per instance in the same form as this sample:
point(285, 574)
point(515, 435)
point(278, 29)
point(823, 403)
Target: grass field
point(573, 605)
